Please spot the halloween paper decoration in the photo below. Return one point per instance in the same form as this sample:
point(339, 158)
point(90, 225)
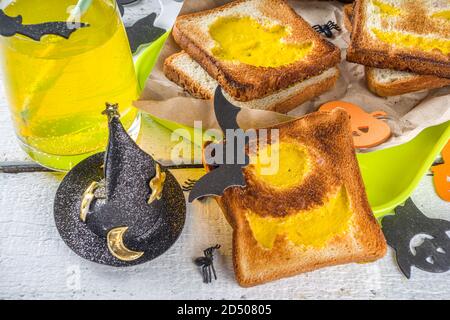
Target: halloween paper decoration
point(151, 27)
point(10, 26)
point(368, 131)
point(441, 173)
point(225, 175)
point(120, 208)
point(433, 255)
point(143, 32)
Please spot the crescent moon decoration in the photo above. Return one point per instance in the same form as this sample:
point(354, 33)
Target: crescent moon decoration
point(118, 249)
point(157, 185)
point(86, 201)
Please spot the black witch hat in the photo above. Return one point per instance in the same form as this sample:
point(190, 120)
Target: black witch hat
point(120, 208)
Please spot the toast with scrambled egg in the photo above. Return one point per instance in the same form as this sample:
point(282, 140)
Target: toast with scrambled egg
point(254, 48)
point(311, 213)
point(405, 35)
point(388, 82)
point(188, 74)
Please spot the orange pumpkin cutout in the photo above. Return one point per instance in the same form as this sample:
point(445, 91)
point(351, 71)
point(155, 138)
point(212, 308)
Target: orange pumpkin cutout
point(368, 131)
point(442, 175)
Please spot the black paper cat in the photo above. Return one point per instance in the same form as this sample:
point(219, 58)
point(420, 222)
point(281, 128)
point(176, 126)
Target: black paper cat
point(432, 255)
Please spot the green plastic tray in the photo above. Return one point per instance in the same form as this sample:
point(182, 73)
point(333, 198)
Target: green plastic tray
point(390, 175)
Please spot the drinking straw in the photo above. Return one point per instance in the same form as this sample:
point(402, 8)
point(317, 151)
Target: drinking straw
point(81, 7)
point(49, 73)
point(5, 4)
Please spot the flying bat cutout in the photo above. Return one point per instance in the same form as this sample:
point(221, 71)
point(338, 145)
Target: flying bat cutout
point(142, 31)
point(433, 254)
point(10, 26)
point(224, 175)
point(121, 207)
point(441, 175)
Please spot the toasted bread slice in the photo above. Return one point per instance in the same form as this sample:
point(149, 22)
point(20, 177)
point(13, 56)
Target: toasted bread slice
point(385, 82)
point(252, 72)
point(388, 82)
point(312, 213)
point(402, 35)
point(348, 16)
point(187, 73)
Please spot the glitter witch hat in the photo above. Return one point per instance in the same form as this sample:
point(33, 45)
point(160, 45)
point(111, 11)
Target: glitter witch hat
point(119, 208)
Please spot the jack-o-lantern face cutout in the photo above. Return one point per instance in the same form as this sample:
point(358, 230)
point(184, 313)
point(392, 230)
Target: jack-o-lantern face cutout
point(442, 175)
point(368, 131)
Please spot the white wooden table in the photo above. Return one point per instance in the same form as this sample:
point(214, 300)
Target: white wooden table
point(35, 262)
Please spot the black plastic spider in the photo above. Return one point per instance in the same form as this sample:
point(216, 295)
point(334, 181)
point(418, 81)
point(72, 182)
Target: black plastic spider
point(207, 264)
point(326, 29)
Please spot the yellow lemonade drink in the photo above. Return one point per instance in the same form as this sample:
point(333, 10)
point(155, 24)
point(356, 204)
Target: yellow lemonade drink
point(57, 88)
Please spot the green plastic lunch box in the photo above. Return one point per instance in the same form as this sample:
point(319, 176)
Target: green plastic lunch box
point(390, 175)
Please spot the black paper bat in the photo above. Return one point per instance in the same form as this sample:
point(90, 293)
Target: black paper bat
point(225, 175)
point(226, 113)
point(143, 31)
point(9, 26)
point(433, 255)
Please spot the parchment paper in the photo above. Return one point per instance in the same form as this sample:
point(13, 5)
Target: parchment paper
point(408, 114)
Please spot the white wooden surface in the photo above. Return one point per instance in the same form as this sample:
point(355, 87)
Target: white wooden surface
point(35, 262)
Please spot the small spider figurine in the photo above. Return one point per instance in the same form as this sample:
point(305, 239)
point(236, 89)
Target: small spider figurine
point(207, 264)
point(326, 29)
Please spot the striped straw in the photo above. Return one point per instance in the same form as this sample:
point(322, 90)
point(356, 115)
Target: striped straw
point(80, 9)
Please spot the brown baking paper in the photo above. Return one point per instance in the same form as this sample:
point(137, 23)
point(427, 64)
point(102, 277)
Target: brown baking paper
point(408, 114)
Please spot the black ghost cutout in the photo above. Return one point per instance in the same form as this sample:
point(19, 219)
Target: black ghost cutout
point(128, 213)
point(433, 255)
point(224, 175)
point(10, 26)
